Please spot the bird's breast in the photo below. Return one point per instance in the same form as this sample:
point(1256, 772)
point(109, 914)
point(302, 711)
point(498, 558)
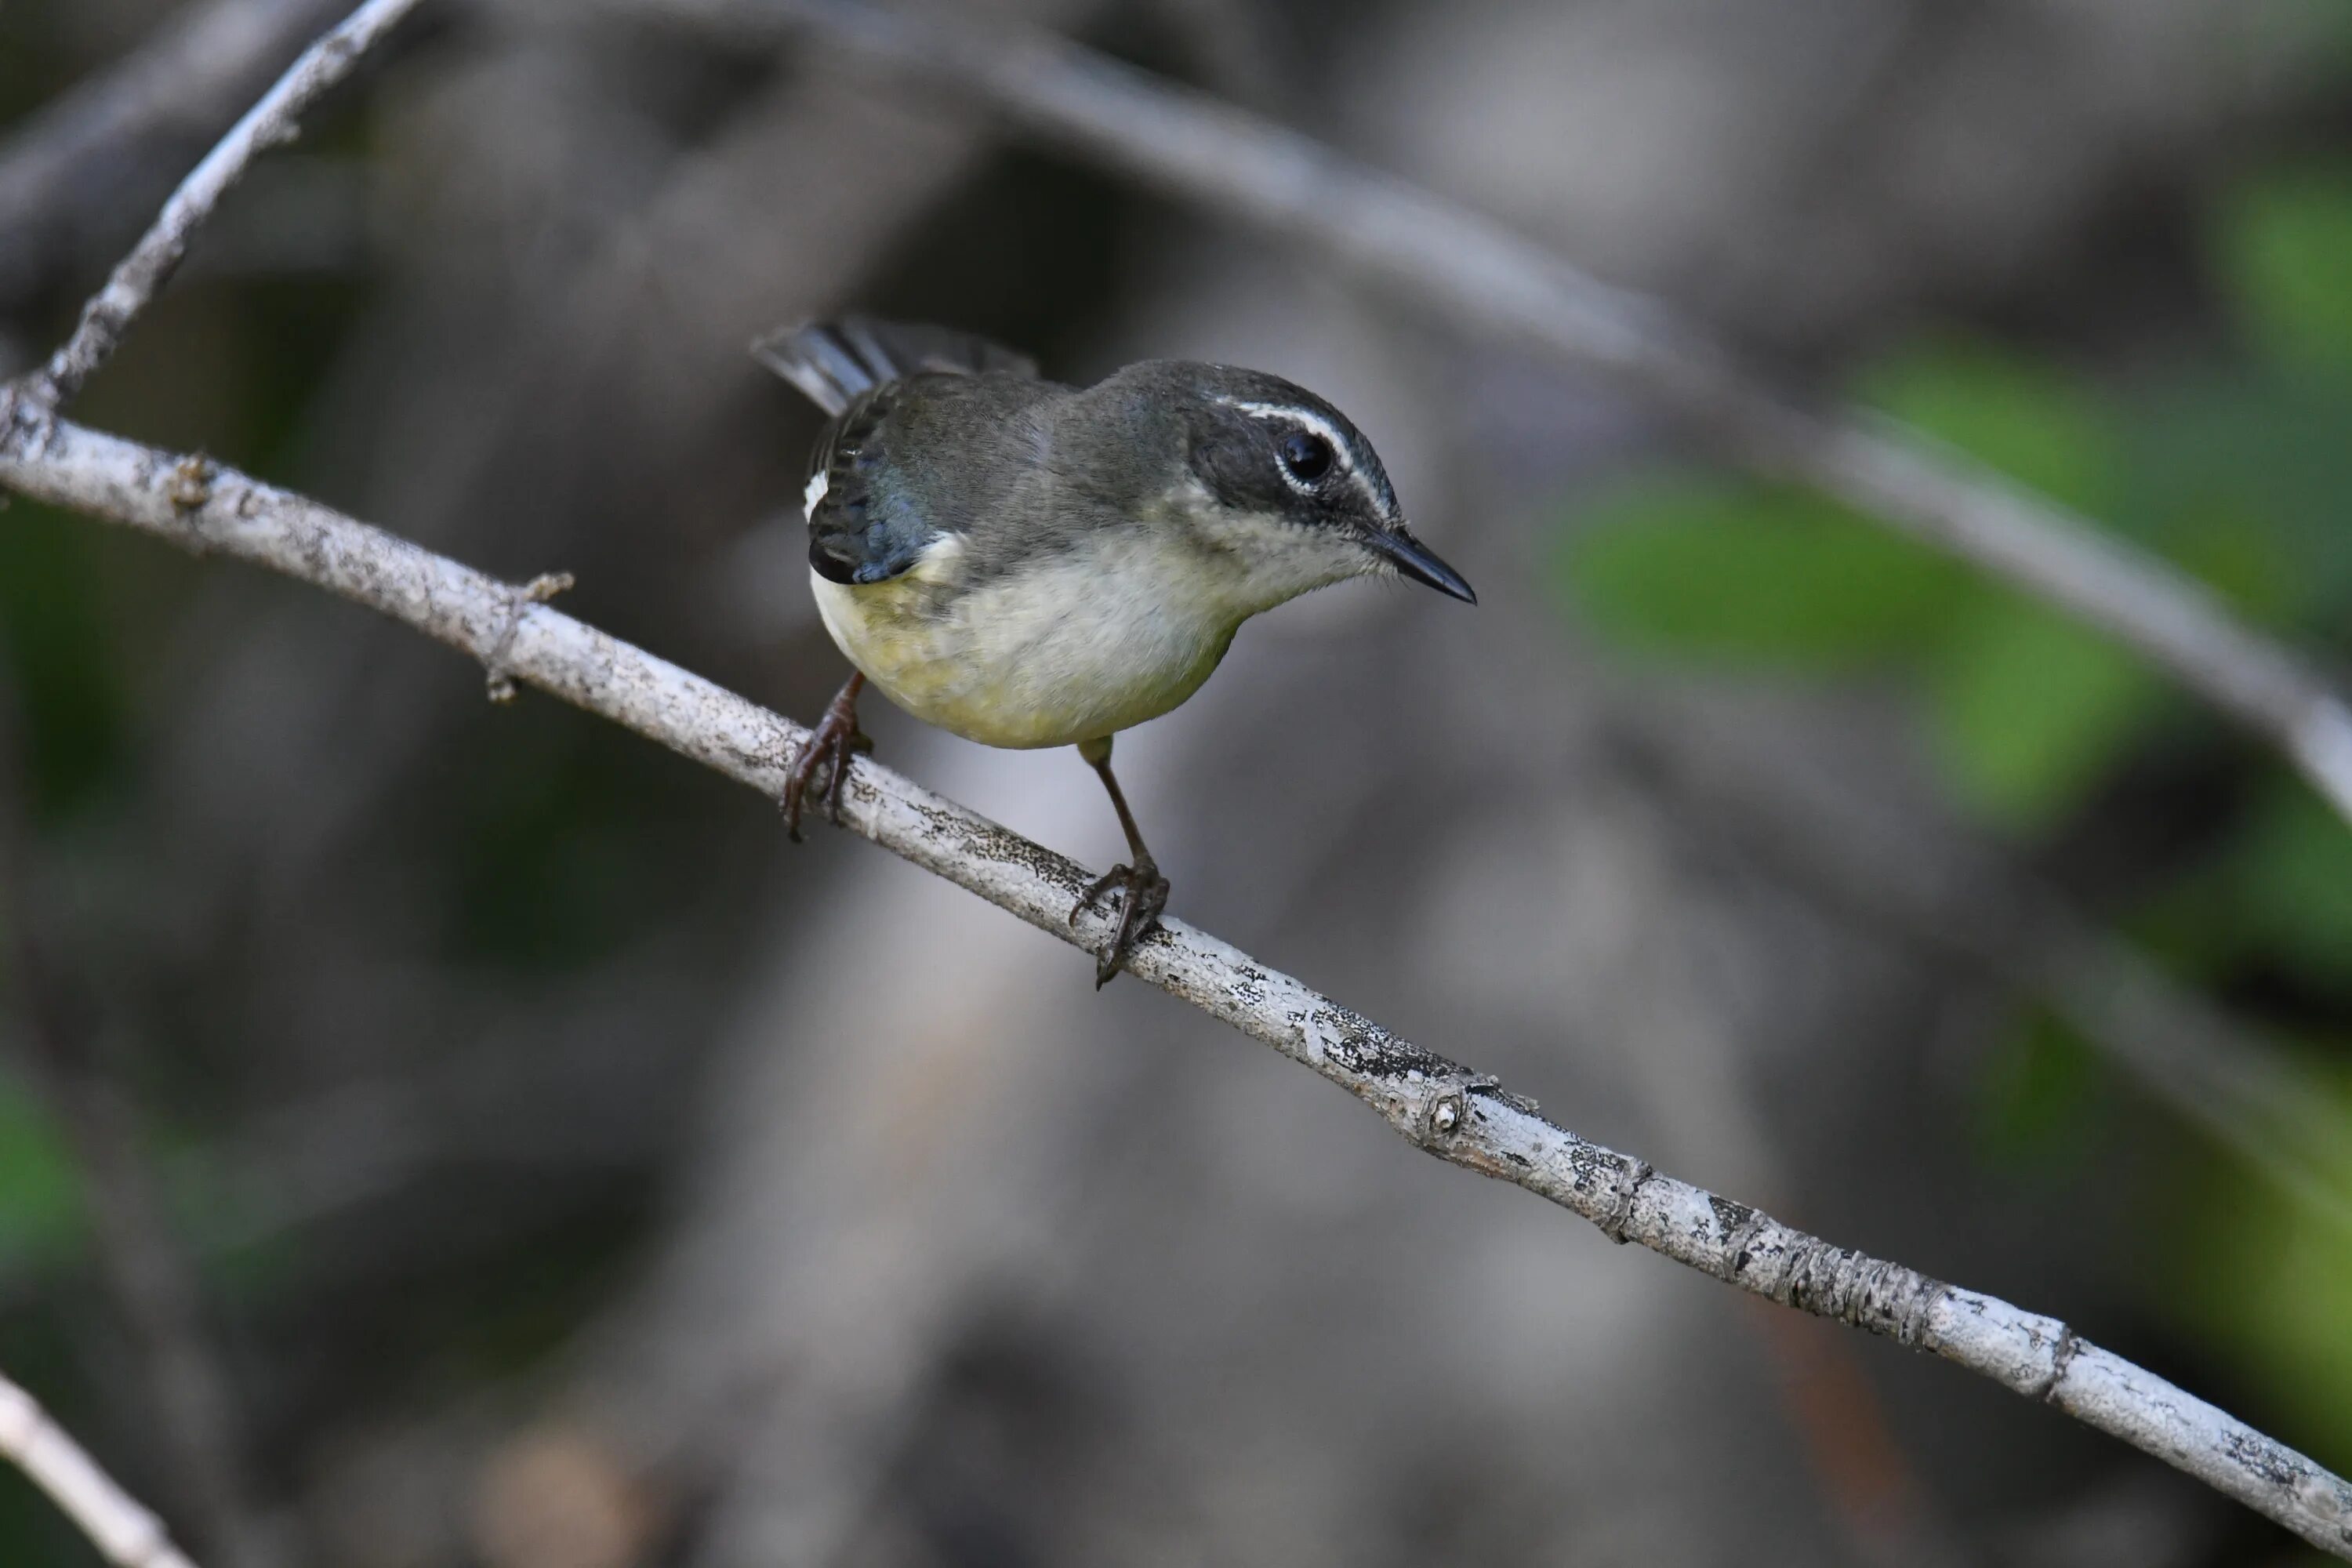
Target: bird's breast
point(1067, 647)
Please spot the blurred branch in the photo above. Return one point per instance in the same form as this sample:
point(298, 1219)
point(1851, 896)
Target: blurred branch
point(2239, 1087)
point(1440, 1107)
point(1192, 146)
point(148, 1276)
point(269, 122)
point(125, 1535)
point(199, 68)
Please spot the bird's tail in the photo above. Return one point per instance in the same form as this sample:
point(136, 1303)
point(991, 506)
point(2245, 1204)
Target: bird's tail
point(834, 362)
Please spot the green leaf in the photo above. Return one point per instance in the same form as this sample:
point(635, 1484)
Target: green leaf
point(2031, 711)
point(2284, 249)
point(40, 1203)
point(2272, 1283)
point(2289, 879)
point(2243, 482)
point(1717, 571)
point(56, 645)
point(2038, 1091)
point(2024, 416)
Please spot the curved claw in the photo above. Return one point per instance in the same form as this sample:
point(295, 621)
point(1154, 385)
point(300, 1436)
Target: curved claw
point(1144, 895)
point(834, 741)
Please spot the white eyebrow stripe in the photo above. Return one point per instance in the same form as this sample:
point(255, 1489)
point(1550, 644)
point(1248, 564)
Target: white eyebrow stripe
point(1340, 446)
point(1297, 416)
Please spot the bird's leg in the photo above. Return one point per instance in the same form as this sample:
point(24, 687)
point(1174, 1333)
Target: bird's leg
point(833, 743)
point(1140, 879)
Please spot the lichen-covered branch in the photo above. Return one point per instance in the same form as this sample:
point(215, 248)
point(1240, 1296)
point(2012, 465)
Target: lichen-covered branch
point(1439, 1105)
point(126, 1534)
point(1491, 278)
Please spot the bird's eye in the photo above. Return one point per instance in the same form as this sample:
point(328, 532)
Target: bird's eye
point(1306, 456)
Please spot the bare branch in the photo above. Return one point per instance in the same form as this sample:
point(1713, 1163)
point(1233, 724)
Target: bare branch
point(94, 147)
point(125, 1533)
point(1489, 278)
point(2239, 1087)
point(1440, 1107)
point(272, 121)
point(153, 1287)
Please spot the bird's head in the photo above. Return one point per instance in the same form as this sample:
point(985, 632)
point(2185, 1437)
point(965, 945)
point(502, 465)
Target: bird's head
point(1285, 484)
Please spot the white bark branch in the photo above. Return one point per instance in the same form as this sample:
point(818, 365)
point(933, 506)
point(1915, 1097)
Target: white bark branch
point(126, 1534)
point(1484, 274)
point(1442, 1107)
point(274, 120)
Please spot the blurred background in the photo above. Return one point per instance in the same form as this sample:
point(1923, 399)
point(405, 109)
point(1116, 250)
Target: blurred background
point(435, 1133)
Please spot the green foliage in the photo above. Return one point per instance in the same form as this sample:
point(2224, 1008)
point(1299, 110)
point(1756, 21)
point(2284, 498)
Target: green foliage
point(2242, 481)
point(2027, 712)
point(2270, 1282)
point(2031, 709)
point(1684, 567)
point(40, 1212)
point(2286, 883)
point(2038, 1091)
point(2241, 475)
point(54, 651)
point(2026, 418)
point(2284, 247)
point(2240, 478)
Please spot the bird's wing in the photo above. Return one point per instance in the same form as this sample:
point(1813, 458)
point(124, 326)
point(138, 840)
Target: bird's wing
point(863, 528)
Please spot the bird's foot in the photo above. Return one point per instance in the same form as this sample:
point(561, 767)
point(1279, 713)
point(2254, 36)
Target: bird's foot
point(1144, 895)
point(829, 747)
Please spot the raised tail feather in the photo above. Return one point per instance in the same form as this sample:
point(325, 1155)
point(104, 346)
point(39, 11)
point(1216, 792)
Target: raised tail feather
point(834, 362)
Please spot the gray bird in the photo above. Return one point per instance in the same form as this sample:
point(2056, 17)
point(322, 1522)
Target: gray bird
point(1026, 563)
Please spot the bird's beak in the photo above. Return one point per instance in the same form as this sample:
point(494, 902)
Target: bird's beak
point(1418, 561)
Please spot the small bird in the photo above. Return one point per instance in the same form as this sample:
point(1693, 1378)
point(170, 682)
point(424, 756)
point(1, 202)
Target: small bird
point(1026, 563)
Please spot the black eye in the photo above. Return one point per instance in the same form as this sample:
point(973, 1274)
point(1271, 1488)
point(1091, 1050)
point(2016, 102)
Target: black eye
point(1306, 456)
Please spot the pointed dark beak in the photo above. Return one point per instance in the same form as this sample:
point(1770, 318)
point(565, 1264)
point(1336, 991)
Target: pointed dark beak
point(1420, 562)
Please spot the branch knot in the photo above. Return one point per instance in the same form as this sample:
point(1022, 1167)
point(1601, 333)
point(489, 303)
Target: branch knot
point(28, 416)
point(497, 677)
point(1632, 1175)
point(2062, 1356)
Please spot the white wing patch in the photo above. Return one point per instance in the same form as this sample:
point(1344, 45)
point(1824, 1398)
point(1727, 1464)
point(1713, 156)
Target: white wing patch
point(814, 495)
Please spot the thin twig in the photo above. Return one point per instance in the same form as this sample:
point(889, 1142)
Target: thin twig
point(126, 1534)
point(1452, 1112)
point(1484, 274)
point(269, 122)
point(148, 1274)
point(77, 162)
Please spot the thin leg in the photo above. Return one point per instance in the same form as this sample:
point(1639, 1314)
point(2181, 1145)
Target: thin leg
point(1144, 888)
point(831, 744)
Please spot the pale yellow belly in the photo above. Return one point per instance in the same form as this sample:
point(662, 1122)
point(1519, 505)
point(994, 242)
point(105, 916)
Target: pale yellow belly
point(1048, 658)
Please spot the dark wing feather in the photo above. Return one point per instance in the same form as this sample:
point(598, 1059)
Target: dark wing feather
point(862, 528)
